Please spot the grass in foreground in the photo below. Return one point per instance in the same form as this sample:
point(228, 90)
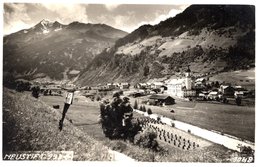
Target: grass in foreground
point(35, 127)
point(31, 125)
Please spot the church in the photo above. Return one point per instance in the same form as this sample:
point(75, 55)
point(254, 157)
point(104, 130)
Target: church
point(181, 87)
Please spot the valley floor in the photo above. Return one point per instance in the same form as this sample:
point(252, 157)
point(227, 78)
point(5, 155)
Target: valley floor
point(84, 114)
point(229, 118)
point(36, 124)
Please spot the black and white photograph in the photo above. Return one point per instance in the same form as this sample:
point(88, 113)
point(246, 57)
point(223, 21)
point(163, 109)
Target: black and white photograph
point(128, 82)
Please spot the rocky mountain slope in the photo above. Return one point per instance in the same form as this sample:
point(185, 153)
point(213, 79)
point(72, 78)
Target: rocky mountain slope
point(208, 38)
point(56, 51)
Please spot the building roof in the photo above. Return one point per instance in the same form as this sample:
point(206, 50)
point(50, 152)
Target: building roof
point(225, 86)
point(142, 84)
point(176, 81)
point(213, 93)
point(200, 79)
point(158, 83)
point(161, 97)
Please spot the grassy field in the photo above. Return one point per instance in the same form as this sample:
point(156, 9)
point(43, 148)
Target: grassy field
point(84, 114)
point(31, 125)
point(246, 78)
point(231, 119)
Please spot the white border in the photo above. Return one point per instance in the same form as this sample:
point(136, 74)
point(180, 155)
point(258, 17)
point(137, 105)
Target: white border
point(50, 163)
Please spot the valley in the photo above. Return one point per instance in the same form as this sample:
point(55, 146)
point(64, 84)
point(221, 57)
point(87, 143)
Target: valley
point(155, 94)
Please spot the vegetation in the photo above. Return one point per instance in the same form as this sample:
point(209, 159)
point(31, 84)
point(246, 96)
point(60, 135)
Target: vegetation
point(31, 125)
point(117, 121)
point(147, 139)
point(135, 105)
point(148, 62)
point(149, 111)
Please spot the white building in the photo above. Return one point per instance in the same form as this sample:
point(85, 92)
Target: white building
point(124, 85)
point(181, 87)
point(156, 85)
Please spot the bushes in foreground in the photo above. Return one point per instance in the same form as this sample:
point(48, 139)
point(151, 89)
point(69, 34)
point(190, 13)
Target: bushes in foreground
point(147, 139)
point(118, 123)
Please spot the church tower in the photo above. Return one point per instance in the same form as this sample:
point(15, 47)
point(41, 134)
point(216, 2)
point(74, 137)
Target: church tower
point(188, 79)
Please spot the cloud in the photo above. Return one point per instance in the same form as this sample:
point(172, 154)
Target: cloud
point(125, 17)
point(19, 16)
point(162, 17)
point(67, 13)
point(111, 7)
point(15, 18)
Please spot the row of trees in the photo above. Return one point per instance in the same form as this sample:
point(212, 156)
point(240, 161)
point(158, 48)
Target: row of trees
point(142, 108)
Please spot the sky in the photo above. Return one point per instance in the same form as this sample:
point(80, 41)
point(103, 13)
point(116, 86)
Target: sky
point(126, 17)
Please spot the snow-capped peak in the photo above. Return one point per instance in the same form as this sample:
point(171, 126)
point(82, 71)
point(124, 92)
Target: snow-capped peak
point(46, 23)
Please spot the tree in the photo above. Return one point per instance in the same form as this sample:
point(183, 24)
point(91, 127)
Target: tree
point(141, 108)
point(117, 119)
point(135, 105)
point(144, 109)
point(36, 91)
point(212, 84)
point(149, 111)
point(146, 70)
point(238, 101)
point(217, 84)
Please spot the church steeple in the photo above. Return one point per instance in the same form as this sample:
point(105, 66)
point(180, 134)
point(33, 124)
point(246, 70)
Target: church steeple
point(188, 79)
point(188, 71)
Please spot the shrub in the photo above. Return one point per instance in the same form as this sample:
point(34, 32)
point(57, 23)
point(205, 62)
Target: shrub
point(118, 146)
point(149, 111)
point(146, 139)
point(141, 108)
point(117, 121)
point(144, 109)
point(98, 98)
point(238, 101)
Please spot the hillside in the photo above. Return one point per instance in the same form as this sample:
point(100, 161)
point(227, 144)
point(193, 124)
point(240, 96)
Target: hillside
point(33, 126)
point(56, 51)
point(211, 39)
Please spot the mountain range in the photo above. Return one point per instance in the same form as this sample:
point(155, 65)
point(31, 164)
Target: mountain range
point(55, 51)
point(209, 39)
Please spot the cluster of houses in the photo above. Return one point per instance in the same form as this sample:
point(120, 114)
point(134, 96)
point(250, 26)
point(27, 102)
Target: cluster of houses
point(182, 87)
point(111, 86)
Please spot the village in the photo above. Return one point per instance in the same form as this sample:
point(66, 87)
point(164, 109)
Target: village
point(157, 93)
point(174, 98)
point(185, 88)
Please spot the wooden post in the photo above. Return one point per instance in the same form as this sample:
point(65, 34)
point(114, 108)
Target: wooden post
point(68, 101)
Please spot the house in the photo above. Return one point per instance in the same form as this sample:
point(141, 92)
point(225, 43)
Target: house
point(227, 90)
point(239, 91)
point(111, 86)
point(116, 85)
point(141, 86)
point(148, 85)
point(124, 85)
point(156, 85)
point(161, 99)
point(200, 83)
point(137, 94)
point(213, 95)
point(176, 87)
